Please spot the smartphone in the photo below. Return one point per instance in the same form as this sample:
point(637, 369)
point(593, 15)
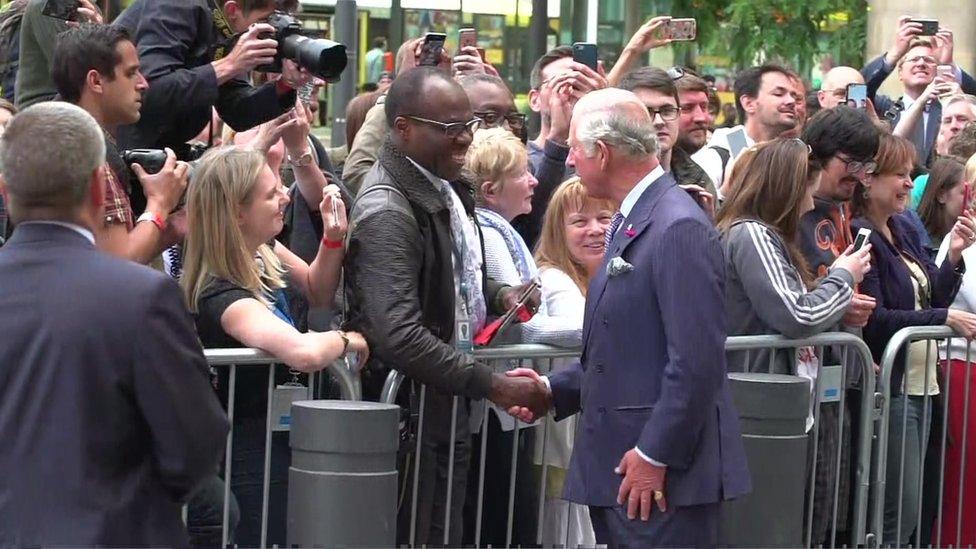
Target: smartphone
point(947, 72)
point(857, 96)
point(481, 52)
point(861, 239)
point(430, 53)
point(467, 38)
point(681, 29)
point(929, 26)
point(66, 10)
point(585, 54)
point(737, 141)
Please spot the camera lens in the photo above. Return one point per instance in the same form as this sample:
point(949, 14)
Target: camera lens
point(323, 58)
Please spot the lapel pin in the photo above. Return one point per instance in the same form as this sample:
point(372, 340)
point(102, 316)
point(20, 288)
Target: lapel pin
point(630, 232)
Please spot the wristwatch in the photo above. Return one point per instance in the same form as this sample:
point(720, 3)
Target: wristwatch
point(153, 218)
point(304, 159)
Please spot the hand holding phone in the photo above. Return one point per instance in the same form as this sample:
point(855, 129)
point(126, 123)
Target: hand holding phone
point(432, 49)
point(862, 238)
point(66, 10)
point(857, 96)
point(930, 27)
point(585, 53)
point(681, 30)
point(467, 38)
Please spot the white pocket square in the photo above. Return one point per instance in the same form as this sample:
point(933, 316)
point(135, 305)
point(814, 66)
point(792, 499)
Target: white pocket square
point(618, 266)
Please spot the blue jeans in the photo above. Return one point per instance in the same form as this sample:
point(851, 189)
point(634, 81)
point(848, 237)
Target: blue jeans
point(908, 426)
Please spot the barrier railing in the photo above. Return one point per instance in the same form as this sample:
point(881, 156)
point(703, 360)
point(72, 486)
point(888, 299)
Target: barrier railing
point(541, 357)
point(349, 388)
point(915, 512)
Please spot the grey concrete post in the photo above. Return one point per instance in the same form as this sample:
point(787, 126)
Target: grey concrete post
point(772, 415)
point(345, 31)
point(342, 483)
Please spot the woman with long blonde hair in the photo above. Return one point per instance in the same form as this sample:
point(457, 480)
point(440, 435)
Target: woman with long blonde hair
point(233, 279)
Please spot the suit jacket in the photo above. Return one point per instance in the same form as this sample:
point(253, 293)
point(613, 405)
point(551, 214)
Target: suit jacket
point(652, 371)
point(176, 40)
point(875, 73)
point(108, 418)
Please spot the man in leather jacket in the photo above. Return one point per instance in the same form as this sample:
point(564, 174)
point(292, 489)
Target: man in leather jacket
point(414, 253)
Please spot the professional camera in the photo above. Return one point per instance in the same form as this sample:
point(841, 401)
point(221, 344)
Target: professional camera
point(153, 160)
point(323, 58)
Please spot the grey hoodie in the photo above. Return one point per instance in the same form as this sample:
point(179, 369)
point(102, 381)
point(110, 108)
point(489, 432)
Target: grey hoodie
point(764, 294)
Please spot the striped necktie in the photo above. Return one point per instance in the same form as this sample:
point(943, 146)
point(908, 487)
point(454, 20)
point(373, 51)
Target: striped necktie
point(615, 222)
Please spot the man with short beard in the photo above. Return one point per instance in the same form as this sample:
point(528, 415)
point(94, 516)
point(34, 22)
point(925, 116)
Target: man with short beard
point(765, 102)
point(696, 115)
point(915, 58)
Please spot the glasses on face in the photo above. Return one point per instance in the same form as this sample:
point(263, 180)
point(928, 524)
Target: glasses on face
point(667, 112)
point(516, 120)
point(676, 73)
point(855, 167)
point(921, 59)
point(452, 130)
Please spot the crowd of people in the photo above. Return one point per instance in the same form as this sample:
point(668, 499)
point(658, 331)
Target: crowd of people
point(630, 226)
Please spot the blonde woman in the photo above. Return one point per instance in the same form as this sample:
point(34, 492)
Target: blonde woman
point(569, 254)
point(233, 280)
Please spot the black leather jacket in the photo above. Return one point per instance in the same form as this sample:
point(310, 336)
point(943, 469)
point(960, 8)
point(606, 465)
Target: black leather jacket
point(399, 280)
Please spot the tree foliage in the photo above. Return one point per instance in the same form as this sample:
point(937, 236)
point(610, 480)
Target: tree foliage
point(791, 31)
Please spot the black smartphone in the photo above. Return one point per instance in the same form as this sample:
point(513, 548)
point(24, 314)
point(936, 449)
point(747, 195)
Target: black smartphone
point(66, 10)
point(857, 96)
point(585, 53)
point(929, 26)
point(430, 53)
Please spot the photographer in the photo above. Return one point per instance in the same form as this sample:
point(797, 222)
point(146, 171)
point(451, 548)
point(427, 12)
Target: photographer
point(96, 68)
point(192, 64)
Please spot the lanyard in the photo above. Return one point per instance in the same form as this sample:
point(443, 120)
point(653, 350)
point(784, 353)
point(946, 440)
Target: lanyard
point(459, 250)
point(223, 28)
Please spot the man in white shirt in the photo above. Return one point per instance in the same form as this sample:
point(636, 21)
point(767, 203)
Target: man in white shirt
point(767, 107)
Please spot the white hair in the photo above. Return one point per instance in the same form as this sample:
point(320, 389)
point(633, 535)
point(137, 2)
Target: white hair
point(48, 154)
point(633, 137)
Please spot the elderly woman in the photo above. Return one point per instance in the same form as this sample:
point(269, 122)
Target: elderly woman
point(910, 291)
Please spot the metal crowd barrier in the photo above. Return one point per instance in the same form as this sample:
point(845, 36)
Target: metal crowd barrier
point(541, 357)
point(349, 388)
point(924, 524)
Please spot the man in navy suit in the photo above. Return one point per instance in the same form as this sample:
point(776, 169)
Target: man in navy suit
point(108, 418)
point(916, 58)
point(657, 425)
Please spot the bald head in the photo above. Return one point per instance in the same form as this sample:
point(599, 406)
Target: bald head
point(833, 91)
point(611, 101)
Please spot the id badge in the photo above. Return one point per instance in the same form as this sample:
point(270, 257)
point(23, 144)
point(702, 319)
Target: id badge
point(463, 338)
point(831, 383)
point(281, 400)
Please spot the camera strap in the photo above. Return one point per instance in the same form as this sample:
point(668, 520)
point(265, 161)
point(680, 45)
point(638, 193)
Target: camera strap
point(222, 26)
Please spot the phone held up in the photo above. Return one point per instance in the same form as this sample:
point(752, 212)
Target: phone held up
point(66, 10)
point(857, 96)
point(861, 239)
point(430, 53)
point(681, 30)
point(929, 26)
point(585, 53)
point(467, 38)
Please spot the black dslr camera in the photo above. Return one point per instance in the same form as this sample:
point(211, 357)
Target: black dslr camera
point(323, 58)
point(153, 160)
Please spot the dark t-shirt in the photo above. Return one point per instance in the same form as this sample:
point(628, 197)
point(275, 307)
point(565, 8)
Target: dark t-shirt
point(251, 391)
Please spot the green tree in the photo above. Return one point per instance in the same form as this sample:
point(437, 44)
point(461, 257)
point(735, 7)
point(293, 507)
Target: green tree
point(791, 31)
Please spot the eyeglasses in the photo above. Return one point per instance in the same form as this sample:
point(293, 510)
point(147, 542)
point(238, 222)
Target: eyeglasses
point(452, 130)
point(924, 59)
point(667, 112)
point(804, 143)
point(858, 166)
point(516, 120)
point(676, 73)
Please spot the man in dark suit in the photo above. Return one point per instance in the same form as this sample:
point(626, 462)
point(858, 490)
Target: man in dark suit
point(658, 427)
point(108, 419)
point(916, 59)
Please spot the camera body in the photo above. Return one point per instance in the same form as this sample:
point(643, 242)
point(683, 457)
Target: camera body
point(153, 160)
point(323, 58)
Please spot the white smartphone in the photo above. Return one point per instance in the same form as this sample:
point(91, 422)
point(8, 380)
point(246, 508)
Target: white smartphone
point(861, 239)
point(737, 141)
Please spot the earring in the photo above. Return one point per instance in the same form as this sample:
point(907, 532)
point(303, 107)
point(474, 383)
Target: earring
point(866, 193)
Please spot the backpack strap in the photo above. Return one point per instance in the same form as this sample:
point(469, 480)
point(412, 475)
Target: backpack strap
point(724, 155)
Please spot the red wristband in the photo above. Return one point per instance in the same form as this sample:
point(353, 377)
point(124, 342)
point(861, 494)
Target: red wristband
point(331, 244)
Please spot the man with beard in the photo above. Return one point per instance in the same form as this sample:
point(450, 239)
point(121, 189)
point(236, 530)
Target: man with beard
point(656, 89)
point(916, 59)
point(843, 142)
point(765, 102)
point(696, 115)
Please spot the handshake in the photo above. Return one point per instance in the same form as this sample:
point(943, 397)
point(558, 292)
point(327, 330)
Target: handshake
point(522, 393)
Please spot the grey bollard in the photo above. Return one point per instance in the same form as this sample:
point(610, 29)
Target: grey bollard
point(772, 415)
point(342, 483)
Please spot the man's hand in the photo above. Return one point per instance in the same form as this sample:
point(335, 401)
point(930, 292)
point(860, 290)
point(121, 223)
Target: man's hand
point(467, 61)
point(648, 36)
point(642, 484)
point(579, 80)
point(87, 13)
point(560, 114)
point(251, 51)
point(293, 75)
point(907, 31)
point(944, 46)
point(510, 296)
point(859, 311)
point(163, 189)
point(521, 392)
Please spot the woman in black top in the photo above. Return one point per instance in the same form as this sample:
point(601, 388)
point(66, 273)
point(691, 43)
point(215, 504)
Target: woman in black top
point(233, 279)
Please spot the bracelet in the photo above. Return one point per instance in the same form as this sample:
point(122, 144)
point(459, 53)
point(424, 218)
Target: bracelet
point(345, 340)
point(331, 244)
